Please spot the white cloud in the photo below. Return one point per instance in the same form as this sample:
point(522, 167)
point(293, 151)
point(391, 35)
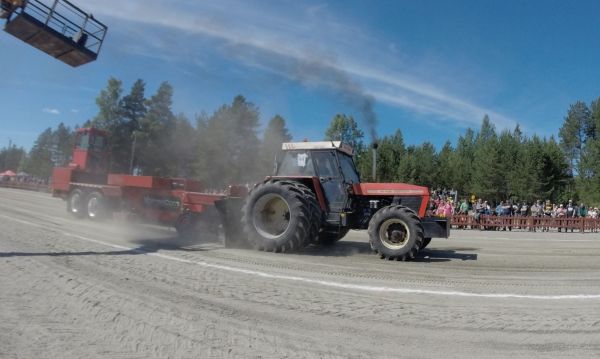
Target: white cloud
point(52, 111)
point(74, 110)
point(279, 39)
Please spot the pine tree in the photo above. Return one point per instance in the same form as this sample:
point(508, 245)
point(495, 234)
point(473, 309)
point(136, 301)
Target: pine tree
point(554, 172)
point(133, 105)
point(487, 174)
point(275, 134)
point(228, 146)
point(11, 157)
point(110, 118)
point(109, 106)
point(344, 128)
point(154, 138)
point(418, 165)
point(389, 155)
point(62, 148)
point(574, 132)
point(133, 108)
point(39, 163)
point(446, 170)
point(184, 148)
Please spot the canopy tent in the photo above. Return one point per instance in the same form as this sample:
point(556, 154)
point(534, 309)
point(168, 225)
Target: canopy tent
point(8, 173)
point(22, 174)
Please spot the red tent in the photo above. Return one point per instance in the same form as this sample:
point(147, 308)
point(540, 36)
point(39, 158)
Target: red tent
point(8, 173)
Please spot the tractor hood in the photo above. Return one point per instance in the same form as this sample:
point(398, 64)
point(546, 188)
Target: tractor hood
point(389, 189)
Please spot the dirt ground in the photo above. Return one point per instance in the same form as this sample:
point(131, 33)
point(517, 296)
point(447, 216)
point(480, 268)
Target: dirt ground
point(79, 289)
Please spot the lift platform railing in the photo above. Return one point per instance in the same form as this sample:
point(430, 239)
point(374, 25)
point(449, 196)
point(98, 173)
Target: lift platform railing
point(68, 20)
point(58, 28)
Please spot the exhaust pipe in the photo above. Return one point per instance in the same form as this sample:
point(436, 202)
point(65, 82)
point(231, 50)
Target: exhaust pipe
point(374, 164)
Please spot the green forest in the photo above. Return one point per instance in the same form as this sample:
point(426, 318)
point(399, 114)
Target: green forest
point(227, 147)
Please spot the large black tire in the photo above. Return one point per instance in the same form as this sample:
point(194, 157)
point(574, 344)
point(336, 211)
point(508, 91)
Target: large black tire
point(316, 218)
point(278, 216)
point(396, 233)
point(425, 243)
point(76, 203)
point(96, 206)
point(327, 238)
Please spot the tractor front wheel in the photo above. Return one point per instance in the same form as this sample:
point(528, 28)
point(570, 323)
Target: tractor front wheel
point(396, 233)
point(277, 216)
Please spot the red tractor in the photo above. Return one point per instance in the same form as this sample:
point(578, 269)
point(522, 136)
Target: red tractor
point(316, 196)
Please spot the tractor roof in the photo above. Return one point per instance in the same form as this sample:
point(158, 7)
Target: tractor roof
point(321, 145)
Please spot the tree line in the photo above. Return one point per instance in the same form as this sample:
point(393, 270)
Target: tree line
point(490, 165)
point(228, 146)
point(148, 138)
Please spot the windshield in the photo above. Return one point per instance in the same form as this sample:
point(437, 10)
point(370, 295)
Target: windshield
point(348, 169)
point(83, 141)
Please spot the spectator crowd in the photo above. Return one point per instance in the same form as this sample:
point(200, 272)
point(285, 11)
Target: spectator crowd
point(442, 204)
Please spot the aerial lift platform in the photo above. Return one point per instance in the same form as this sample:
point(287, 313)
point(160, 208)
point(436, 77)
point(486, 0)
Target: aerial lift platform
point(56, 27)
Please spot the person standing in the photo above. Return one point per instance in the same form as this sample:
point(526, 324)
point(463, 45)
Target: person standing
point(548, 213)
point(583, 211)
point(524, 209)
point(7, 7)
point(537, 211)
point(571, 211)
point(464, 207)
point(448, 209)
point(560, 213)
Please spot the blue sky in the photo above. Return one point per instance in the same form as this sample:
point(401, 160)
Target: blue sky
point(433, 68)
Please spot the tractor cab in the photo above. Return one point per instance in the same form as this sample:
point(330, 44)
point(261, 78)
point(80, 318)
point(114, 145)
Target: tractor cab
point(90, 151)
point(56, 27)
point(330, 161)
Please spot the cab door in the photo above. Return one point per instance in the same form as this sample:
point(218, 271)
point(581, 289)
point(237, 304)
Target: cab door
point(328, 171)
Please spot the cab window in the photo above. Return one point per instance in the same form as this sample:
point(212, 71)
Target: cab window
point(326, 164)
point(296, 163)
point(97, 143)
point(83, 141)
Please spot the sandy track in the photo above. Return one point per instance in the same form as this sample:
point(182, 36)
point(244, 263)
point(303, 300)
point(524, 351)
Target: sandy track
point(74, 289)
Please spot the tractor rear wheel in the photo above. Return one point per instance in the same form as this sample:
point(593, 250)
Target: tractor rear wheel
point(396, 233)
point(316, 215)
point(76, 203)
point(277, 216)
